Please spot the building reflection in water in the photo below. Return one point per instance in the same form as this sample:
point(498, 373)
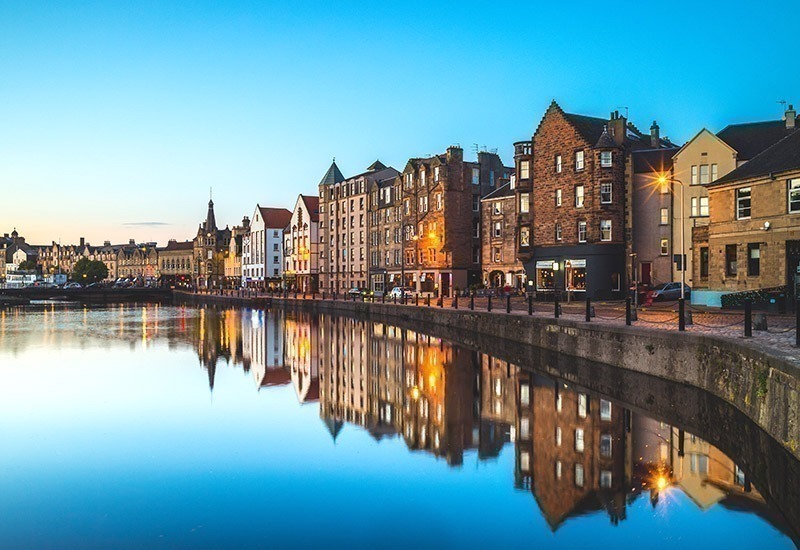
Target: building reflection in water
point(576, 451)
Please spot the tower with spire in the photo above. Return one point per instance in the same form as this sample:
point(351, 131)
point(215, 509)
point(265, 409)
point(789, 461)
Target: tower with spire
point(210, 245)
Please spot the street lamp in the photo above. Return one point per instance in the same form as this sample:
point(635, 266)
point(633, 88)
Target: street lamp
point(663, 179)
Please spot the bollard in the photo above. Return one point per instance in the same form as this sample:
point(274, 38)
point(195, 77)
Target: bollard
point(508, 303)
point(394, 298)
point(489, 304)
point(797, 323)
point(530, 304)
point(428, 300)
point(628, 311)
point(416, 299)
point(588, 310)
point(681, 314)
point(323, 294)
point(383, 298)
point(748, 320)
point(304, 295)
point(557, 307)
point(472, 301)
point(455, 300)
point(441, 300)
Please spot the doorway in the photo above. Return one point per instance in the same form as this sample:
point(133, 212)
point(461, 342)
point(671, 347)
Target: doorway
point(646, 269)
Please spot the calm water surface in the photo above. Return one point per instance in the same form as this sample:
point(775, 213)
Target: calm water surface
point(156, 426)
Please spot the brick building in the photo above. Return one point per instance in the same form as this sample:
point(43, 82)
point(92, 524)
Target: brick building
point(345, 250)
point(753, 238)
point(581, 171)
point(440, 209)
point(499, 245)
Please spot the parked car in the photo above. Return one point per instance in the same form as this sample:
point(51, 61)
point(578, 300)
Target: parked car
point(355, 291)
point(669, 291)
point(399, 291)
point(73, 285)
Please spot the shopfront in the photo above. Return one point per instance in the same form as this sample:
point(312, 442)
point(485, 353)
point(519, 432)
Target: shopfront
point(592, 270)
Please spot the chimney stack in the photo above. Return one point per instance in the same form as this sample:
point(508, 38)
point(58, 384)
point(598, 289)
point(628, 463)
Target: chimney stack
point(106, 243)
point(655, 136)
point(617, 127)
point(132, 242)
point(83, 241)
point(790, 116)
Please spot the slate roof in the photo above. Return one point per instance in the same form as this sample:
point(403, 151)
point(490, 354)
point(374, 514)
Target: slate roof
point(174, 245)
point(605, 141)
point(333, 175)
point(653, 160)
point(275, 218)
point(780, 157)
point(752, 138)
point(591, 128)
point(500, 193)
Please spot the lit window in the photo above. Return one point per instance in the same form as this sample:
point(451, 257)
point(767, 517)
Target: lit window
point(665, 247)
point(524, 169)
point(605, 230)
point(525, 236)
point(579, 160)
point(743, 203)
point(579, 197)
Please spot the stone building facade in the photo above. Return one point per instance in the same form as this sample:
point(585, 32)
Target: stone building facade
point(499, 245)
point(582, 188)
point(300, 246)
point(753, 239)
point(176, 264)
point(386, 235)
point(210, 245)
point(346, 251)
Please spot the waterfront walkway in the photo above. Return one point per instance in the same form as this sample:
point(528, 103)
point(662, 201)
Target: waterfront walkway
point(779, 336)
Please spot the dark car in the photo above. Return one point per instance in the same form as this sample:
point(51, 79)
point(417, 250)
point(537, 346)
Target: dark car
point(669, 291)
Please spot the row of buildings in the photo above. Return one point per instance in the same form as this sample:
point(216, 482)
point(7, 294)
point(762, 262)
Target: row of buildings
point(591, 206)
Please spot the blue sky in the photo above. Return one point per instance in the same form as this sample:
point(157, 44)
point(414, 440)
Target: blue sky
point(115, 115)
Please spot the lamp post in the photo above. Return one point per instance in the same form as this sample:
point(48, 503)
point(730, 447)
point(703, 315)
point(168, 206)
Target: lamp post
point(662, 180)
point(635, 277)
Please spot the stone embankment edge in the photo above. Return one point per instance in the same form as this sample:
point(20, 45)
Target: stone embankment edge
point(763, 386)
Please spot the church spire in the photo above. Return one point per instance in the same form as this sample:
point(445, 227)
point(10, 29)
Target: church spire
point(211, 221)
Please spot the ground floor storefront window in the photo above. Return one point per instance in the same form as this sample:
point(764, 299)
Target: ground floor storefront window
point(575, 274)
point(427, 282)
point(545, 275)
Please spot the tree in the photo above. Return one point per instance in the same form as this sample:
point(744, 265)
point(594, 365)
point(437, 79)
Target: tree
point(27, 265)
point(88, 271)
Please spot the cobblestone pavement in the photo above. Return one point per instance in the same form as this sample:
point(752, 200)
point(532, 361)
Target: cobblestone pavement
point(779, 338)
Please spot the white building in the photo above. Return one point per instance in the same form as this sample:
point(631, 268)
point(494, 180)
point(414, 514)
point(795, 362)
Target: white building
point(262, 247)
point(301, 244)
point(262, 347)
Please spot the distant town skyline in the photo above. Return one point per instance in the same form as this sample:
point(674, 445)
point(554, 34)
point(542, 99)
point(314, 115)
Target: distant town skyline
point(118, 118)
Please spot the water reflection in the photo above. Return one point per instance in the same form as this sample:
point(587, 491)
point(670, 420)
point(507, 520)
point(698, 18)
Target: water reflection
point(576, 451)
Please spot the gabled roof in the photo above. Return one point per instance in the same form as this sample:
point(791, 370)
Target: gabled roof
point(697, 135)
point(589, 127)
point(375, 166)
point(752, 138)
point(333, 175)
point(312, 205)
point(275, 218)
point(501, 192)
point(605, 141)
point(175, 245)
point(780, 157)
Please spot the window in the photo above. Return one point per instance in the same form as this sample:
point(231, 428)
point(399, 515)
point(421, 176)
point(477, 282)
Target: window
point(605, 479)
point(558, 469)
point(525, 236)
point(743, 203)
point(558, 164)
point(498, 229)
point(491, 178)
point(438, 201)
point(605, 193)
point(558, 231)
point(579, 475)
point(524, 461)
point(581, 232)
point(605, 445)
point(665, 216)
point(579, 196)
point(714, 172)
point(730, 260)
point(524, 169)
point(476, 176)
point(605, 159)
point(754, 259)
point(704, 174)
point(702, 209)
point(558, 436)
point(558, 197)
point(583, 402)
point(704, 262)
point(579, 442)
point(525, 201)
point(694, 174)
point(578, 160)
point(694, 208)
point(475, 203)
point(524, 394)
point(665, 247)
point(497, 207)
point(605, 230)
point(605, 410)
point(794, 196)
point(423, 178)
point(476, 228)
point(435, 173)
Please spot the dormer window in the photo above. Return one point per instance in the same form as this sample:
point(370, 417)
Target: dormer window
point(605, 159)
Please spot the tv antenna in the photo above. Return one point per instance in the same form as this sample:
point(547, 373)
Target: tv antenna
point(626, 112)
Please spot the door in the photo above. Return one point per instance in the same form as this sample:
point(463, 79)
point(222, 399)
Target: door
point(445, 284)
point(646, 269)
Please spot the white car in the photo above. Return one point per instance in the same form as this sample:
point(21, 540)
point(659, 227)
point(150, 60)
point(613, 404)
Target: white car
point(73, 285)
